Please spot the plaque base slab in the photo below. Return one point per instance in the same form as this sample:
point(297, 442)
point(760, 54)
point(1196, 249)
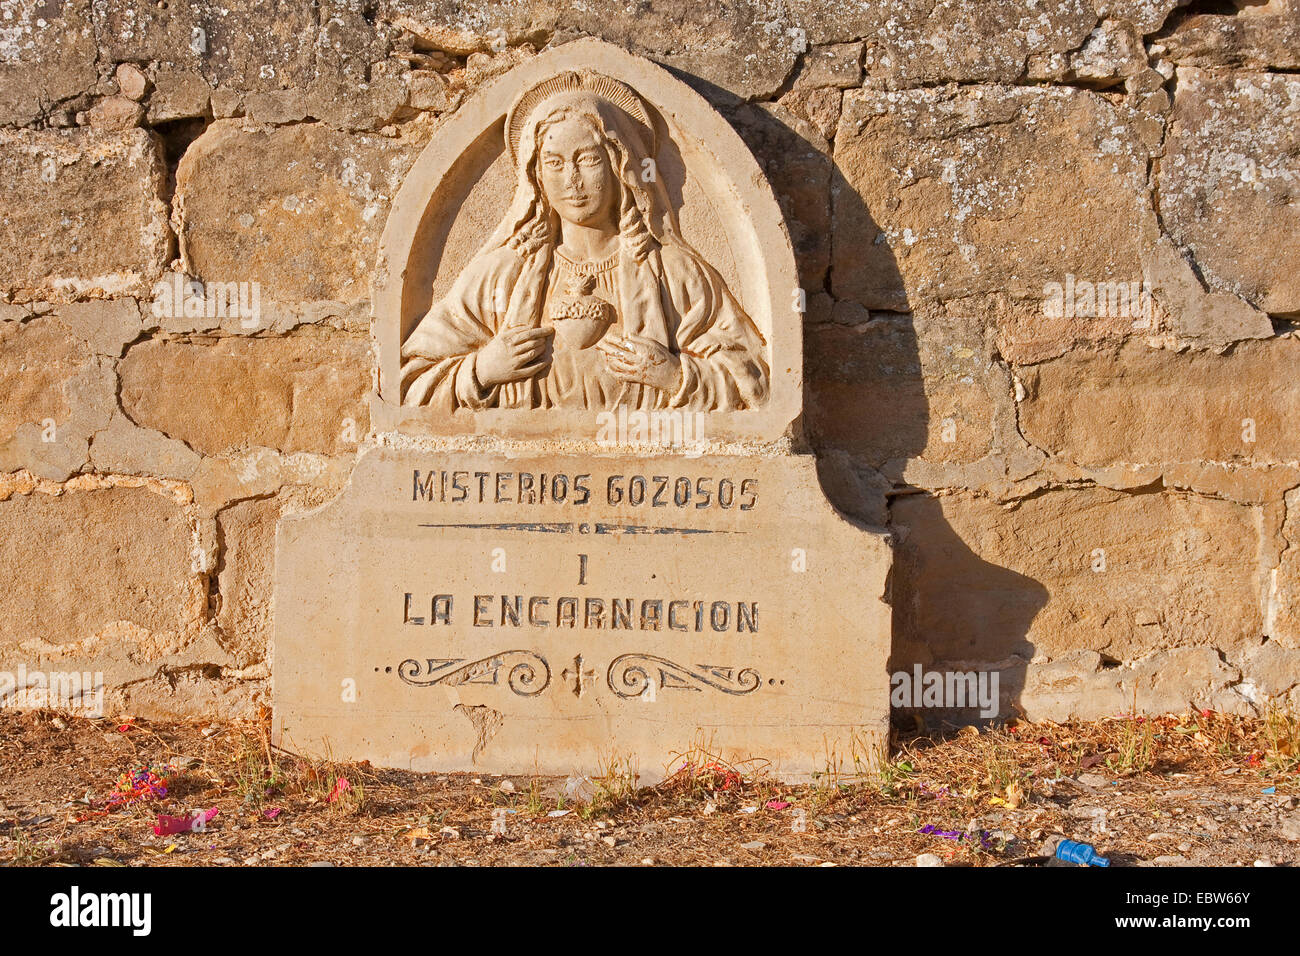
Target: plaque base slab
point(467, 611)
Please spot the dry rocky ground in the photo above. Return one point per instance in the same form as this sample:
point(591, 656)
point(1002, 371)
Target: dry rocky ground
point(1205, 789)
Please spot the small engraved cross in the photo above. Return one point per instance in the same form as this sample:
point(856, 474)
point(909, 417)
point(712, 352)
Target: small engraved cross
point(578, 675)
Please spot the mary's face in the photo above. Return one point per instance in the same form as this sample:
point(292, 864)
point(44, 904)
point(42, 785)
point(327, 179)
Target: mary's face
point(575, 173)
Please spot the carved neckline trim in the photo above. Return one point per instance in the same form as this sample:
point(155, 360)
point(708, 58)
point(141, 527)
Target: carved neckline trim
point(588, 267)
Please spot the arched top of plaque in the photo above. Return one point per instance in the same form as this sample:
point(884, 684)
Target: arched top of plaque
point(586, 235)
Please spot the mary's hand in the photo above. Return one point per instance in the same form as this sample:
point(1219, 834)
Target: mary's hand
point(635, 358)
point(514, 354)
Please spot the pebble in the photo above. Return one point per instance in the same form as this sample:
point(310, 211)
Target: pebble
point(609, 840)
point(321, 863)
point(1290, 828)
point(131, 81)
point(1169, 860)
point(928, 859)
point(753, 845)
point(1093, 780)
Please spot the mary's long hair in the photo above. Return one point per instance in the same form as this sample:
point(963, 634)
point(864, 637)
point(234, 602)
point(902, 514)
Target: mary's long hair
point(645, 216)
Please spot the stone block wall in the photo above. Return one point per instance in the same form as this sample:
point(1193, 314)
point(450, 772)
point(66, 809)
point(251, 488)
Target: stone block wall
point(1099, 501)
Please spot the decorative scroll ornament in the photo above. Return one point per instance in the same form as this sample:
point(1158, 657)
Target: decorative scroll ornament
point(630, 675)
point(528, 673)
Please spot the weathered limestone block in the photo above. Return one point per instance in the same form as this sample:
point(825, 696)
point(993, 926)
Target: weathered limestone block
point(1266, 36)
point(124, 448)
point(949, 193)
point(106, 325)
point(37, 360)
point(47, 55)
point(1230, 180)
point(1147, 15)
point(968, 38)
point(1121, 574)
point(246, 578)
point(353, 106)
point(115, 113)
point(746, 48)
point(1283, 623)
point(83, 213)
point(794, 157)
point(184, 689)
point(1027, 332)
point(902, 387)
point(428, 91)
point(834, 65)
point(178, 94)
point(276, 107)
point(1138, 404)
point(302, 392)
point(1084, 686)
point(331, 57)
point(57, 394)
point(474, 26)
point(1113, 52)
point(820, 107)
point(1163, 303)
point(297, 209)
point(260, 44)
point(220, 481)
point(1271, 675)
point(125, 585)
point(968, 41)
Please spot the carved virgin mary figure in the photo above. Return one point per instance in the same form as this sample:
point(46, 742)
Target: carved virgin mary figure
point(586, 296)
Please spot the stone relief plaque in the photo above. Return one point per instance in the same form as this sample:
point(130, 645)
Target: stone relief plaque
point(518, 578)
point(635, 258)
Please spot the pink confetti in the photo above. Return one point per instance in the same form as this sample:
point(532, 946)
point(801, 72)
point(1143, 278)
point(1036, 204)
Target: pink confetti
point(196, 822)
point(341, 786)
point(776, 804)
point(272, 813)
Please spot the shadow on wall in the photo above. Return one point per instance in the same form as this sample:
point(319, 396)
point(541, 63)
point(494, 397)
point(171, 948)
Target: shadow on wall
point(865, 406)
